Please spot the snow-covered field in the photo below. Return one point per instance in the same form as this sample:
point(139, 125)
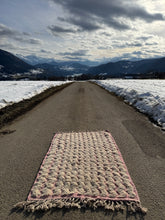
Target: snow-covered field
point(148, 96)
point(15, 91)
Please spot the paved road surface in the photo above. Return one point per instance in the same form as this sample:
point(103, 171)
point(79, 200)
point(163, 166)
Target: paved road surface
point(80, 107)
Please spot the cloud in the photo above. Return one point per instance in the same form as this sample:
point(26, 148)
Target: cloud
point(27, 40)
point(134, 44)
point(104, 47)
point(9, 33)
point(72, 58)
point(149, 40)
point(120, 45)
point(144, 38)
point(134, 56)
point(33, 41)
point(151, 44)
point(78, 53)
point(126, 44)
point(90, 15)
point(106, 34)
point(82, 24)
point(44, 51)
point(55, 30)
point(9, 46)
point(138, 52)
point(25, 33)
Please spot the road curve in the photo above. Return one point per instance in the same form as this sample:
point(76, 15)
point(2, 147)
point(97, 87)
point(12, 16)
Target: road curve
point(82, 106)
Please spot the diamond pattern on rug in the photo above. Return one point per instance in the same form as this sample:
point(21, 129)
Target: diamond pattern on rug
point(83, 169)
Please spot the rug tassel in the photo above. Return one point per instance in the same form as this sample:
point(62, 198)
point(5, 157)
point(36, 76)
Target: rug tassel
point(142, 209)
point(19, 205)
point(136, 207)
point(32, 206)
point(110, 206)
point(119, 206)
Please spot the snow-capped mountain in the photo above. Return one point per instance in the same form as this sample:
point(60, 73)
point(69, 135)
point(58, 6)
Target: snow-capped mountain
point(122, 68)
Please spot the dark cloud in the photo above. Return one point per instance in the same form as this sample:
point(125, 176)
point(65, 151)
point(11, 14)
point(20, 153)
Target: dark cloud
point(22, 39)
point(89, 15)
point(113, 23)
point(151, 43)
point(72, 58)
point(26, 34)
point(106, 34)
point(44, 51)
point(55, 30)
point(123, 45)
point(9, 46)
point(33, 41)
point(7, 32)
point(84, 25)
point(134, 44)
point(148, 40)
point(120, 44)
point(144, 15)
point(138, 52)
point(153, 52)
point(78, 53)
point(144, 38)
point(104, 48)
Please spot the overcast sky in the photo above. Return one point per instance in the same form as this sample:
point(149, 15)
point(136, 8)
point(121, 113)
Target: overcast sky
point(97, 30)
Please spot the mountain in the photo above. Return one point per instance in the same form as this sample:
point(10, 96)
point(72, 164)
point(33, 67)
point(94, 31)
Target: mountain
point(34, 60)
point(12, 67)
point(73, 67)
point(50, 69)
point(89, 63)
point(11, 64)
point(57, 68)
point(122, 68)
point(63, 68)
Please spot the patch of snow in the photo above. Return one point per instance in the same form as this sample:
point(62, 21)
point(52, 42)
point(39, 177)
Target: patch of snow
point(148, 96)
point(76, 74)
point(102, 74)
point(15, 91)
point(67, 68)
point(36, 71)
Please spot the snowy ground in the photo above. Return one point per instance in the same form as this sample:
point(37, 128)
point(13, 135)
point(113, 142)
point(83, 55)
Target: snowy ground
point(15, 91)
point(148, 96)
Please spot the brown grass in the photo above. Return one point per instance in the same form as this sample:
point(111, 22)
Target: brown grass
point(10, 112)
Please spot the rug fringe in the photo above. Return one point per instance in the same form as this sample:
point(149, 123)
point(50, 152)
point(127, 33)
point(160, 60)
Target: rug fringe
point(35, 205)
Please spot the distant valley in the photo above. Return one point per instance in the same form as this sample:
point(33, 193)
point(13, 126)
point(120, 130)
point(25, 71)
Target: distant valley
point(15, 68)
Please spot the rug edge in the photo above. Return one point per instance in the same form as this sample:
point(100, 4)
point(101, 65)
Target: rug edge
point(45, 205)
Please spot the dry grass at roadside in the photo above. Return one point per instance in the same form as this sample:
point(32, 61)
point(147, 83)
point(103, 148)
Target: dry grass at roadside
point(10, 112)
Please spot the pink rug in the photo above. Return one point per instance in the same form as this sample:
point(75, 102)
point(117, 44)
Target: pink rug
point(83, 169)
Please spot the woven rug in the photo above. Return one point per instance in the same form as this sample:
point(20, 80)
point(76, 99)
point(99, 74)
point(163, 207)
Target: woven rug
point(83, 169)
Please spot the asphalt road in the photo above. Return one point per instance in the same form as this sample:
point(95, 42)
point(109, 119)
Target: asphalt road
point(82, 107)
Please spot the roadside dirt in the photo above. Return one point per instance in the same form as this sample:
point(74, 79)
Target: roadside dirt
point(11, 112)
